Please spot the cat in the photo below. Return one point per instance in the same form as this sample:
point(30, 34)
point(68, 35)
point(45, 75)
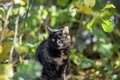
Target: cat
point(53, 53)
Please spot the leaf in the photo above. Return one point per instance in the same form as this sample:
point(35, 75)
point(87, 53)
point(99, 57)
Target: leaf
point(4, 77)
point(6, 46)
point(79, 8)
point(1, 49)
point(2, 13)
point(107, 25)
point(86, 63)
point(6, 69)
point(7, 33)
point(90, 24)
point(28, 70)
point(108, 11)
point(99, 33)
point(21, 49)
point(104, 49)
point(0, 25)
point(62, 2)
point(86, 10)
point(82, 8)
point(107, 6)
point(75, 58)
point(21, 2)
point(90, 3)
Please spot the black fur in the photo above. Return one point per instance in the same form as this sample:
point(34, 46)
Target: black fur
point(53, 54)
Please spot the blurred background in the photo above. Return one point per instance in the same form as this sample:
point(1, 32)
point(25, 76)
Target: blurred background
point(94, 27)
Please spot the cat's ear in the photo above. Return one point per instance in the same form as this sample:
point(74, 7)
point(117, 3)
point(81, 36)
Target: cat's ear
point(66, 30)
point(50, 31)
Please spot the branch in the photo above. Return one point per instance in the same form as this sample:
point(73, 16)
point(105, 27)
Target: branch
point(6, 20)
point(15, 37)
point(25, 16)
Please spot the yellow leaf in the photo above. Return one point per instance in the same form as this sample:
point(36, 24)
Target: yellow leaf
point(10, 33)
point(21, 2)
point(4, 33)
point(90, 3)
point(21, 49)
point(38, 17)
point(6, 46)
point(1, 49)
point(7, 33)
point(83, 8)
point(6, 69)
point(0, 25)
point(79, 8)
point(4, 77)
point(87, 10)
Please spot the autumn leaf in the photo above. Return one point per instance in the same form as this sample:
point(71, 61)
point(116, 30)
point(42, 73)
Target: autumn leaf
point(6, 71)
point(1, 49)
point(0, 25)
point(4, 77)
point(83, 8)
point(87, 10)
point(79, 8)
point(7, 33)
point(6, 46)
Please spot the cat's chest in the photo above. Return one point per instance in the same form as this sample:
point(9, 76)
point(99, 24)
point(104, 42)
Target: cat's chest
point(61, 59)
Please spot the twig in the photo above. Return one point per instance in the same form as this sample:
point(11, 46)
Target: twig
point(15, 37)
point(25, 18)
point(26, 14)
point(6, 20)
point(16, 30)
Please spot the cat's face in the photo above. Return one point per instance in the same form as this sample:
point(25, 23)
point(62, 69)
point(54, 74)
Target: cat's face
point(59, 39)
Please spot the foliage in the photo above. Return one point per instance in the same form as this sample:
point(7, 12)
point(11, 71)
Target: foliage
point(6, 71)
point(28, 70)
point(95, 31)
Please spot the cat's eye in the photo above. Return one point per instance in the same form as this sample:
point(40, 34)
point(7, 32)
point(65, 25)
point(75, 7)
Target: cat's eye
point(60, 35)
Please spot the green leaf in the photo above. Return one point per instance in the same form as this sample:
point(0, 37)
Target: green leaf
point(104, 49)
point(86, 63)
point(6, 70)
point(99, 33)
point(90, 3)
point(75, 58)
point(90, 24)
point(62, 2)
point(28, 70)
point(6, 46)
point(107, 6)
point(107, 25)
point(2, 13)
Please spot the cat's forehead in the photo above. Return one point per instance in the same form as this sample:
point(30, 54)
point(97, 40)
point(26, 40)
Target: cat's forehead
point(58, 31)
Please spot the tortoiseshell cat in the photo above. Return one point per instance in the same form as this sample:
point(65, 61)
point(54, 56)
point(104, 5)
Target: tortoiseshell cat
point(53, 54)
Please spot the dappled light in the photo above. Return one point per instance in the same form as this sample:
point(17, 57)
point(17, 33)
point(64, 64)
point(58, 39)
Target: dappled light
point(93, 25)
